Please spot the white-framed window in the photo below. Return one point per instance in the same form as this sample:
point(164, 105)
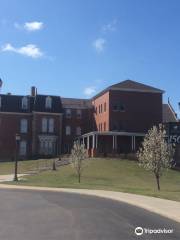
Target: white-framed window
point(48, 102)
point(24, 126)
point(22, 148)
point(44, 125)
point(78, 113)
point(78, 131)
point(68, 113)
point(68, 130)
point(51, 125)
point(24, 103)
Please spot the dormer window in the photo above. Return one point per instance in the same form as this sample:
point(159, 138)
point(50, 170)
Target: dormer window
point(24, 103)
point(48, 102)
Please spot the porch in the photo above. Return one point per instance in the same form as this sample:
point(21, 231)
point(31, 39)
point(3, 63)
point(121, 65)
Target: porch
point(111, 143)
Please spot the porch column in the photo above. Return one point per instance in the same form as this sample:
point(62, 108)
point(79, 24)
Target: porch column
point(93, 141)
point(113, 142)
point(96, 141)
point(83, 140)
point(133, 143)
point(88, 142)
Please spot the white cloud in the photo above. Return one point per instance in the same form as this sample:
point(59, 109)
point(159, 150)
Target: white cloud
point(30, 26)
point(33, 26)
point(99, 44)
point(29, 50)
point(110, 27)
point(88, 91)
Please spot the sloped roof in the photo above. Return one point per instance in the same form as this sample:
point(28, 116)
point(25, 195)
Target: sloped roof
point(13, 103)
point(169, 114)
point(131, 86)
point(39, 104)
point(135, 86)
point(76, 103)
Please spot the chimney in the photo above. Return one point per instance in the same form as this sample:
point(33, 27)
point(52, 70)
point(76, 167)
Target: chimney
point(33, 91)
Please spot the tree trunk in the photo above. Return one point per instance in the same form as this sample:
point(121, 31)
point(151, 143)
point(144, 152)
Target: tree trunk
point(79, 177)
point(158, 183)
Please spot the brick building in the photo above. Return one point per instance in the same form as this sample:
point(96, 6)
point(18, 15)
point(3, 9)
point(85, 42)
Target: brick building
point(112, 122)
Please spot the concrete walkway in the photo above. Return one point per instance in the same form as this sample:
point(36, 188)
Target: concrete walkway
point(10, 177)
point(166, 208)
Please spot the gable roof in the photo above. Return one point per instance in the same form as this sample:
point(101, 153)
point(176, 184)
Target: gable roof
point(131, 86)
point(169, 114)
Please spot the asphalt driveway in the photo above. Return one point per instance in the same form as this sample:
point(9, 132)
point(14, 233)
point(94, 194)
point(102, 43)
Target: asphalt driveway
point(33, 215)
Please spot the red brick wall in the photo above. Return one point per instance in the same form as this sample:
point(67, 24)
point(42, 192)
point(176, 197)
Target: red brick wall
point(37, 128)
point(10, 126)
point(85, 123)
point(102, 117)
point(142, 110)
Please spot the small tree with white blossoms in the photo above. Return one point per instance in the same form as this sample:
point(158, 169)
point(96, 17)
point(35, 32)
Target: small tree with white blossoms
point(156, 154)
point(78, 158)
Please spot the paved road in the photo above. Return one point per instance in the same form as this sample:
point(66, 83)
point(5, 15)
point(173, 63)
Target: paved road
point(33, 215)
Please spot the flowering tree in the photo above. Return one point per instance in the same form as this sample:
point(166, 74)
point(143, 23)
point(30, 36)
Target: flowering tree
point(78, 157)
point(156, 154)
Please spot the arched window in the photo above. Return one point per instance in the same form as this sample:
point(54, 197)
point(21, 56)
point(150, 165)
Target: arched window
point(24, 126)
point(22, 148)
point(44, 125)
point(78, 131)
point(68, 113)
point(51, 125)
point(48, 102)
point(24, 103)
point(68, 130)
point(79, 113)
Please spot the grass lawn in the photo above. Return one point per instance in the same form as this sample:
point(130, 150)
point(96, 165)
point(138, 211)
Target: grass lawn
point(110, 174)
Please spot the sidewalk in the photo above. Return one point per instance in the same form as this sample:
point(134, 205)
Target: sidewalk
point(166, 208)
point(10, 177)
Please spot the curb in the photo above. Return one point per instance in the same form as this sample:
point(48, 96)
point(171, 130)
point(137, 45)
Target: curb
point(166, 208)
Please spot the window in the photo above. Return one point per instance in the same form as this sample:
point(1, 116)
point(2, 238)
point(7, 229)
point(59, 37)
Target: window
point(96, 110)
point(48, 102)
point(68, 130)
point(104, 126)
point(24, 126)
point(78, 131)
point(115, 108)
point(104, 107)
point(78, 112)
point(0, 102)
point(22, 148)
point(24, 103)
point(121, 107)
point(51, 125)
point(68, 113)
point(44, 125)
point(99, 109)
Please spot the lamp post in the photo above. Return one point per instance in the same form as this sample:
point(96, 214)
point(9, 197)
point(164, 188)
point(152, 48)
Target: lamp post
point(17, 139)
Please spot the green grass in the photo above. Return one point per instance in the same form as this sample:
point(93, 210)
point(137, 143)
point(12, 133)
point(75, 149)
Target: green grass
point(24, 166)
point(111, 174)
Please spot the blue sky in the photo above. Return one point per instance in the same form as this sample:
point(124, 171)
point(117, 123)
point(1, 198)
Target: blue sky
point(75, 48)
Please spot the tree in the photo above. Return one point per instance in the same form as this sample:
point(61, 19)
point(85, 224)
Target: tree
point(78, 157)
point(156, 154)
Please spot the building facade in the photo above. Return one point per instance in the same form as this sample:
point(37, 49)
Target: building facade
point(112, 122)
